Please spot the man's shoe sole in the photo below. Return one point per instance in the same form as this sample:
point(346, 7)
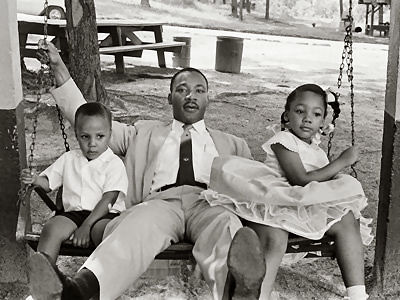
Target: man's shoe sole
point(246, 263)
point(43, 279)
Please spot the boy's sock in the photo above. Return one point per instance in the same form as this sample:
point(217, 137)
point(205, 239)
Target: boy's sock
point(357, 292)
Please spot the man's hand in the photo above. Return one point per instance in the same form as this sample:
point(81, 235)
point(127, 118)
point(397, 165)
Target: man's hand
point(48, 53)
point(81, 236)
point(53, 58)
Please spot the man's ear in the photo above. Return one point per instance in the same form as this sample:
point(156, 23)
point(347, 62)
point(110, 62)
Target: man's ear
point(169, 98)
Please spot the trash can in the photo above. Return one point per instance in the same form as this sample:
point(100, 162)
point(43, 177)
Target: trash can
point(228, 56)
point(182, 59)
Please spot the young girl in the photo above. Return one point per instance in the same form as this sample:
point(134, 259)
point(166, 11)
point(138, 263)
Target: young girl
point(94, 184)
point(297, 190)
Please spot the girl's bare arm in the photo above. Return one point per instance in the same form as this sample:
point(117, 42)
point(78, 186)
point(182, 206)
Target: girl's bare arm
point(295, 172)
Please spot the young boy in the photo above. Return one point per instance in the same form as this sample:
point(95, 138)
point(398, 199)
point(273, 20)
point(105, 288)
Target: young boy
point(94, 184)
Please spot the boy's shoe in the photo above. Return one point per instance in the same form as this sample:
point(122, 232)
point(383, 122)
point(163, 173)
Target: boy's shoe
point(246, 264)
point(49, 283)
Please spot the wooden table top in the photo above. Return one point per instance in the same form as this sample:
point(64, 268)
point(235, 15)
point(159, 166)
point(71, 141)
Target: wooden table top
point(100, 22)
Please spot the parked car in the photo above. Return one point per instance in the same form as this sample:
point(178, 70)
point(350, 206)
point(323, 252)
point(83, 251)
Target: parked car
point(55, 10)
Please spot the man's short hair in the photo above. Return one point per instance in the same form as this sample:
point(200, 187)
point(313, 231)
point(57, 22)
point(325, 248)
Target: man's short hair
point(93, 109)
point(187, 70)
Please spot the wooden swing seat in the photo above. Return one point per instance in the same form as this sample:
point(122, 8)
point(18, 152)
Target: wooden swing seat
point(179, 251)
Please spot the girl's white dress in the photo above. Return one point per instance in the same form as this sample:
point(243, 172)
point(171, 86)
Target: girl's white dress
point(260, 192)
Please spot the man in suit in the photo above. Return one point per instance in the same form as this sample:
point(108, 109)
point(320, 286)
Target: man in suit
point(168, 166)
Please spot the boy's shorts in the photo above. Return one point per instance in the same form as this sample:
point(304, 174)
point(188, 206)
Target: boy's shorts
point(78, 217)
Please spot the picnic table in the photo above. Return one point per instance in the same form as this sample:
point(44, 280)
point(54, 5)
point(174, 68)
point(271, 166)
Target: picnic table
point(120, 40)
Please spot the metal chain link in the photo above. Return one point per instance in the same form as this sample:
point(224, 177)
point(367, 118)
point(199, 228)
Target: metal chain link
point(347, 60)
point(62, 127)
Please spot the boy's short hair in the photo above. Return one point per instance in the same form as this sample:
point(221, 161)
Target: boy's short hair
point(93, 109)
point(191, 70)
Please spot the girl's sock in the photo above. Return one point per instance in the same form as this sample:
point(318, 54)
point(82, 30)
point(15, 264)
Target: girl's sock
point(357, 292)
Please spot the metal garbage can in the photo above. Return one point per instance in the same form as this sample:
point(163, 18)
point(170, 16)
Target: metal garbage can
point(228, 56)
point(182, 59)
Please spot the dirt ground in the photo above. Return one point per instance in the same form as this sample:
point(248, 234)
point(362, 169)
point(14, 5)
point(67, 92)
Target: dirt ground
point(241, 104)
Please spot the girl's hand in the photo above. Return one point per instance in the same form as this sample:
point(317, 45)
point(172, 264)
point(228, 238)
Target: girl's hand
point(81, 236)
point(349, 156)
point(28, 176)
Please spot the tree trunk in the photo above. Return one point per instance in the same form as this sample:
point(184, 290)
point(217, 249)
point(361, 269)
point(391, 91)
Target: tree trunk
point(223, 1)
point(248, 4)
point(241, 10)
point(234, 8)
point(145, 3)
point(84, 58)
point(267, 9)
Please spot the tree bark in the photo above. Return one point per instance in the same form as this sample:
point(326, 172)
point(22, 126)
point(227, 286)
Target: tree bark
point(266, 9)
point(84, 58)
point(145, 3)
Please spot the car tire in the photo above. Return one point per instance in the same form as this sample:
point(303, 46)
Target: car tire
point(54, 12)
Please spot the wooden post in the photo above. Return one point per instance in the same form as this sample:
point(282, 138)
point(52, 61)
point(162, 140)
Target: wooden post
point(266, 9)
point(366, 19)
point(371, 30)
point(380, 20)
point(12, 150)
point(387, 249)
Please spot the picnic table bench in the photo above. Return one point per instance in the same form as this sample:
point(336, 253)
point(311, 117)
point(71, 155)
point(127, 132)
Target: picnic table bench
point(120, 39)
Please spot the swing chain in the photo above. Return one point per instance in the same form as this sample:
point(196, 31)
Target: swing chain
point(44, 78)
point(350, 77)
point(62, 127)
point(347, 60)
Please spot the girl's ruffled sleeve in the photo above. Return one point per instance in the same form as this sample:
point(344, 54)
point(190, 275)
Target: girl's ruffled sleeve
point(286, 139)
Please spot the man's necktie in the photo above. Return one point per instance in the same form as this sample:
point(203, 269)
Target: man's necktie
point(185, 172)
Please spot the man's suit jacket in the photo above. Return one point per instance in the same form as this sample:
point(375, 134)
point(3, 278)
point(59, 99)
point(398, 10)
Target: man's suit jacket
point(140, 143)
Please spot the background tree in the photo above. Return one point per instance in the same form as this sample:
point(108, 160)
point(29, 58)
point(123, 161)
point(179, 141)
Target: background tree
point(267, 9)
point(234, 8)
point(145, 3)
point(84, 58)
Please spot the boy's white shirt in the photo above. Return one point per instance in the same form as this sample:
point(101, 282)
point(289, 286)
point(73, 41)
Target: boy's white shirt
point(84, 182)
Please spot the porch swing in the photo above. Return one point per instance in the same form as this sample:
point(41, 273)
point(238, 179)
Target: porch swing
point(182, 250)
